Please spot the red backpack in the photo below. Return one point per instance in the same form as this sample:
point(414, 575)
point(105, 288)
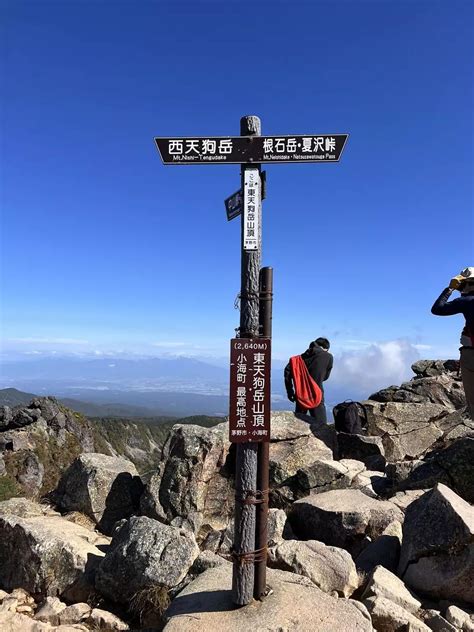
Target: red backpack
point(307, 392)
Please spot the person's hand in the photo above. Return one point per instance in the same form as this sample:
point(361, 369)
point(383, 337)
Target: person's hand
point(457, 282)
point(292, 398)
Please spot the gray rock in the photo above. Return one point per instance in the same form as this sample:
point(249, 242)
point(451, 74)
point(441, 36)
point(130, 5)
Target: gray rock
point(279, 529)
point(219, 541)
point(342, 517)
point(47, 555)
point(320, 475)
point(295, 604)
point(289, 456)
point(74, 614)
point(287, 426)
point(144, 553)
point(18, 622)
point(437, 556)
point(404, 499)
point(105, 488)
point(30, 474)
point(104, 621)
point(407, 430)
point(429, 368)
point(453, 466)
point(371, 483)
point(330, 568)
point(388, 616)
point(437, 623)
point(460, 619)
point(363, 448)
point(193, 490)
point(25, 508)
point(150, 500)
point(383, 583)
point(193, 487)
point(49, 610)
point(435, 382)
point(206, 560)
point(384, 550)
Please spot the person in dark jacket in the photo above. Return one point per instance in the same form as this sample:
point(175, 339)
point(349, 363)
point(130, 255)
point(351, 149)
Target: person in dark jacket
point(464, 305)
point(319, 363)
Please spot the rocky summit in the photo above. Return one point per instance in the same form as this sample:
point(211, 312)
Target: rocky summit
point(129, 531)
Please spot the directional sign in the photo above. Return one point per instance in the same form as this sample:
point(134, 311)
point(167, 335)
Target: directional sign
point(233, 205)
point(248, 149)
point(249, 413)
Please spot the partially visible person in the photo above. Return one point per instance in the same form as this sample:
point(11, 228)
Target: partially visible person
point(319, 363)
point(464, 305)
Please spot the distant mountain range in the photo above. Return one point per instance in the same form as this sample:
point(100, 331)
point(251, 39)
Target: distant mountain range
point(176, 387)
point(142, 387)
point(13, 397)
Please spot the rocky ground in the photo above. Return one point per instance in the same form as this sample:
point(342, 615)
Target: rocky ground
point(372, 532)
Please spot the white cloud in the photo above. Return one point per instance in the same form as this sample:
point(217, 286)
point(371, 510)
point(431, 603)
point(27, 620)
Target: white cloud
point(376, 366)
point(49, 341)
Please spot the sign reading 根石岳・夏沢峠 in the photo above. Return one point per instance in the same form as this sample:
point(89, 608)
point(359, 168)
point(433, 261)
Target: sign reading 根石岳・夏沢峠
point(248, 149)
point(249, 412)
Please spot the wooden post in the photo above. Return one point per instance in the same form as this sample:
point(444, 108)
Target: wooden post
point(246, 458)
point(263, 475)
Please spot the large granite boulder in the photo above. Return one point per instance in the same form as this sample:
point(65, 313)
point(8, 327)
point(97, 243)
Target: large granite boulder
point(384, 550)
point(295, 444)
point(39, 441)
point(295, 604)
point(278, 530)
point(407, 430)
point(435, 382)
point(437, 556)
point(192, 488)
point(319, 476)
point(105, 488)
point(341, 517)
point(330, 568)
point(383, 583)
point(454, 425)
point(145, 553)
point(46, 554)
point(388, 616)
point(363, 448)
point(453, 466)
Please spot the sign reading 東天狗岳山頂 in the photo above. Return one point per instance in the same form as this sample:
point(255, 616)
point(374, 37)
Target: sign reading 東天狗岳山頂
point(249, 402)
point(248, 149)
point(252, 202)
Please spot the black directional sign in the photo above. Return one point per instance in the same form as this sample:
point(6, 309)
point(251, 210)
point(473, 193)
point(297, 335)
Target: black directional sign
point(248, 149)
point(233, 205)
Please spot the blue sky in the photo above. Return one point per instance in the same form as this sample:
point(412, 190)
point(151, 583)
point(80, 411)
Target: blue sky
point(106, 250)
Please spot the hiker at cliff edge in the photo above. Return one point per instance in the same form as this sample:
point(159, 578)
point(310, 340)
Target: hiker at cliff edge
point(318, 362)
point(464, 304)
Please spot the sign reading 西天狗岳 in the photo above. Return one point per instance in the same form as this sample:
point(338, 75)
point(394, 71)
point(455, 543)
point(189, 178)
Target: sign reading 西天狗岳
point(249, 412)
point(252, 201)
point(248, 149)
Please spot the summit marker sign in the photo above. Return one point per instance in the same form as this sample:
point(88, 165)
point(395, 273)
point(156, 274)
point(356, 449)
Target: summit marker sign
point(250, 357)
point(251, 149)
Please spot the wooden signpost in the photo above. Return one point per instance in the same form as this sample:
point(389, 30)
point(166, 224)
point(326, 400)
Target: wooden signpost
point(250, 355)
